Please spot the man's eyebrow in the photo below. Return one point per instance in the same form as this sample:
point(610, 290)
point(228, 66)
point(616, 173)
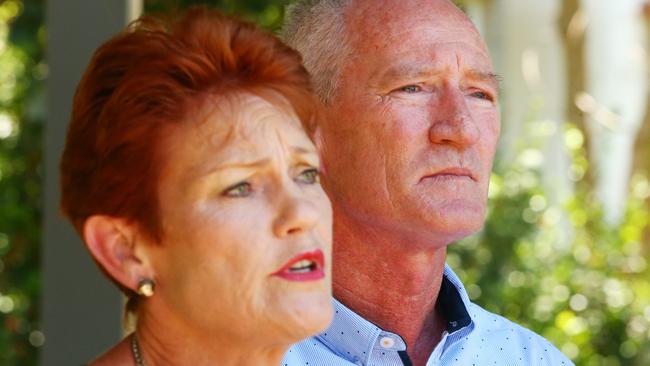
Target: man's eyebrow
point(493, 79)
point(406, 70)
point(411, 71)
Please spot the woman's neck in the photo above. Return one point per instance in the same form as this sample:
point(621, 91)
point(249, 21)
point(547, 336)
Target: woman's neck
point(170, 342)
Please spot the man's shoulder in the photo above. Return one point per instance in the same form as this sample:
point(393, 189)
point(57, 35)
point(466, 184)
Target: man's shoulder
point(488, 339)
point(312, 352)
point(520, 343)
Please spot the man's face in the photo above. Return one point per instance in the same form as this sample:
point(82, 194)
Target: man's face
point(410, 137)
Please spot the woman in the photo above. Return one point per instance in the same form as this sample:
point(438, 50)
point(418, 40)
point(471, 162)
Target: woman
point(188, 175)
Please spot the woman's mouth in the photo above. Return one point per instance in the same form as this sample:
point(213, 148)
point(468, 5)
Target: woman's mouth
point(307, 266)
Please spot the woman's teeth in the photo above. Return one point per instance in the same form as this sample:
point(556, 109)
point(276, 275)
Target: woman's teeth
point(303, 266)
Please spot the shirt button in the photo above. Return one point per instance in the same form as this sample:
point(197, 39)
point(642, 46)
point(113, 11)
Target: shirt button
point(387, 342)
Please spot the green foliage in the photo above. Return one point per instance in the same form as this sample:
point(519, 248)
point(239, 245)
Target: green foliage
point(556, 268)
point(268, 14)
point(22, 105)
point(561, 270)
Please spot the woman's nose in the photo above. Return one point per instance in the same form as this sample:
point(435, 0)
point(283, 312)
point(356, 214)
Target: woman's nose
point(297, 214)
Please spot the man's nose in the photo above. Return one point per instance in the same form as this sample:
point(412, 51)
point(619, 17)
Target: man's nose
point(296, 213)
point(452, 122)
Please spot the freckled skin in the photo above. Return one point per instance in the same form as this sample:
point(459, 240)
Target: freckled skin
point(416, 97)
point(213, 268)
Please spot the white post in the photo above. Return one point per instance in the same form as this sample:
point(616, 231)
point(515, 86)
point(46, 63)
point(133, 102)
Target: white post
point(528, 53)
point(616, 96)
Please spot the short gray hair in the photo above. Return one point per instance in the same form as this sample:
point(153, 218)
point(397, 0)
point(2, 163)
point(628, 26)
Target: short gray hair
point(316, 29)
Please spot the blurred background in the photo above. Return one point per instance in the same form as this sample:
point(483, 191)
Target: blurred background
point(566, 245)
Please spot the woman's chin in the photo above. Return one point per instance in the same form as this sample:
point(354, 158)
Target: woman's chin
point(306, 317)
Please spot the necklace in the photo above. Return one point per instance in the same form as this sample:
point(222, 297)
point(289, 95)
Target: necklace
point(135, 348)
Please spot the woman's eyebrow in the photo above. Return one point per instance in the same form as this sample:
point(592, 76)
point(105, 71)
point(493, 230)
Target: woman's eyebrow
point(235, 164)
point(252, 164)
point(303, 150)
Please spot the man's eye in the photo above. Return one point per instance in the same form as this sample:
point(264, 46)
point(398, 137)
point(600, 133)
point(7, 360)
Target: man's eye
point(308, 176)
point(410, 89)
point(482, 95)
point(242, 189)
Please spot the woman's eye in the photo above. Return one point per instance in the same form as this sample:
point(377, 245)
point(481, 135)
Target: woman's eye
point(242, 189)
point(308, 176)
point(410, 89)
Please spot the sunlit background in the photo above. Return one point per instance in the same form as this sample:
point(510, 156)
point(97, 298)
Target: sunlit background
point(565, 248)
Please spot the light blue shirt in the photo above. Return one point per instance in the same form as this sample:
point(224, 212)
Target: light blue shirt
point(474, 337)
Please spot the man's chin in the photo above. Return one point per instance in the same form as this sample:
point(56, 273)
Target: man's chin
point(462, 235)
point(448, 226)
point(444, 239)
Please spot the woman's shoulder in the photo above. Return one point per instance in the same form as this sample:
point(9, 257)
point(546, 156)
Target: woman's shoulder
point(118, 355)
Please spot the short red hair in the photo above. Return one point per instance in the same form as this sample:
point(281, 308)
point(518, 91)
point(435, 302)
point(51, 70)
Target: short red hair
point(154, 74)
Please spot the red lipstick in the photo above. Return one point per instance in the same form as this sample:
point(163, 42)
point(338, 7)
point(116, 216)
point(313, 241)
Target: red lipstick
point(307, 266)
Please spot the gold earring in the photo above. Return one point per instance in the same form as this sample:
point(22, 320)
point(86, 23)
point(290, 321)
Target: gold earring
point(145, 287)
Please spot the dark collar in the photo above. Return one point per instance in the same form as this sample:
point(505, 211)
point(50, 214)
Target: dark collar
point(451, 306)
point(354, 338)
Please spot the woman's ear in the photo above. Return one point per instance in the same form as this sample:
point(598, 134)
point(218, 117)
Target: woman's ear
point(112, 243)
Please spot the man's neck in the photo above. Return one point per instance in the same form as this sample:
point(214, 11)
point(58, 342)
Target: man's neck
point(391, 282)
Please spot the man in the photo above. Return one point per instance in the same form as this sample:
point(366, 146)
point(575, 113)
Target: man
point(407, 144)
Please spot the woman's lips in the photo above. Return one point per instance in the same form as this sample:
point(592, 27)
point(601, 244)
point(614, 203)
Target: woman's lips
point(307, 266)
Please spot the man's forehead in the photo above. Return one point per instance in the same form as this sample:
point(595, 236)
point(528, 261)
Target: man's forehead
point(417, 70)
point(381, 23)
point(386, 12)
point(420, 51)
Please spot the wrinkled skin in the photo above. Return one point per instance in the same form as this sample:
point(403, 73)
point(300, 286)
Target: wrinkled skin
point(239, 197)
point(417, 97)
point(407, 149)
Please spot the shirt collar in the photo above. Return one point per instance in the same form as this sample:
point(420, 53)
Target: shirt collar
point(453, 301)
point(350, 335)
point(354, 338)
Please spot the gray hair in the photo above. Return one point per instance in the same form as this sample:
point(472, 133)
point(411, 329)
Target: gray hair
point(316, 29)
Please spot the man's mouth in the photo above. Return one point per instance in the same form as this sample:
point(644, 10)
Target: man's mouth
point(451, 173)
point(306, 266)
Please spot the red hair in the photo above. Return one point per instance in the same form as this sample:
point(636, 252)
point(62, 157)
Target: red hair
point(154, 74)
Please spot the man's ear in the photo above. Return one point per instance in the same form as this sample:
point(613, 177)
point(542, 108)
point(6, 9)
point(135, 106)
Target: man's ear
point(112, 243)
point(317, 137)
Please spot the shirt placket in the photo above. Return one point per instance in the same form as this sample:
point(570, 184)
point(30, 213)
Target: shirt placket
point(385, 350)
point(434, 359)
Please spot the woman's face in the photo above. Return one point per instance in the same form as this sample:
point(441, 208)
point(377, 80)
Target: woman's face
point(246, 226)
